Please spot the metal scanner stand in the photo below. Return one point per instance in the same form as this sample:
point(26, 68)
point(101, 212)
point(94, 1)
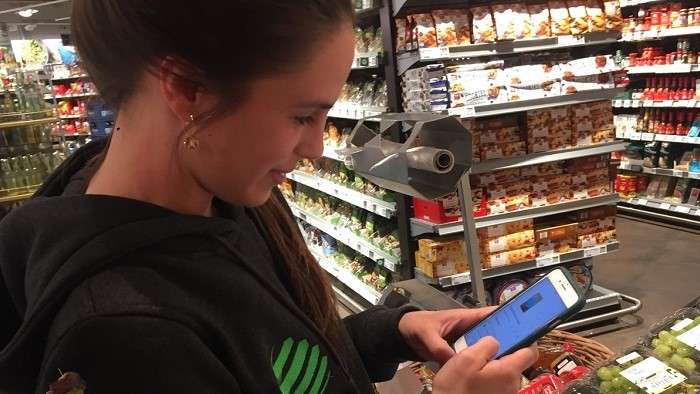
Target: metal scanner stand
point(443, 164)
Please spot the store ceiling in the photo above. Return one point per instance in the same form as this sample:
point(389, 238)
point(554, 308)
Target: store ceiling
point(49, 11)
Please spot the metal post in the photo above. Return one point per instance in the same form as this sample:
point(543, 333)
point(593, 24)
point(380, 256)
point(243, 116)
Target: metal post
point(465, 201)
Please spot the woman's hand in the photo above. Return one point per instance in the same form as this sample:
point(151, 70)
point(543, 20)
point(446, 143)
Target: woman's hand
point(472, 371)
point(430, 335)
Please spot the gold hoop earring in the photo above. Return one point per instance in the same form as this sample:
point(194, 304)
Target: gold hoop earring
point(191, 142)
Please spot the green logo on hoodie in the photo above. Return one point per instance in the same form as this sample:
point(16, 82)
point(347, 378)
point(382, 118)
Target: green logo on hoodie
point(300, 369)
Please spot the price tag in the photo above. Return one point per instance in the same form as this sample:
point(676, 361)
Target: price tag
point(571, 40)
point(667, 103)
point(681, 103)
point(677, 138)
point(634, 136)
point(619, 134)
point(683, 209)
point(691, 337)
point(647, 136)
point(461, 279)
point(665, 205)
point(389, 265)
point(642, 201)
point(594, 251)
point(650, 34)
point(546, 261)
point(653, 376)
point(617, 103)
point(637, 35)
point(694, 175)
point(434, 53)
point(463, 112)
point(692, 103)
point(693, 140)
point(679, 68)
point(626, 103)
point(635, 103)
point(648, 103)
point(678, 174)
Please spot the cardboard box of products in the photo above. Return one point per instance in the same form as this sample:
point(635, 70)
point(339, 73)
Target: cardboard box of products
point(555, 231)
point(505, 229)
point(595, 226)
point(510, 257)
point(596, 239)
point(549, 246)
point(442, 249)
point(508, 242)
point(593, 213)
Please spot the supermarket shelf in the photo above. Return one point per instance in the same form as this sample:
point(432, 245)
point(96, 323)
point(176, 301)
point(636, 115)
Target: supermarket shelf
point(15, 198)
point(77, 135)
point(70, 77)
point(70, 96)
point(348, 238)
point(654, 35)
point(664, 206)
point(656, 103)
point(329, 152)
point(527, 105)
point(21, 123)
point(547, 157)
point(665, 69)
point(366, 61)
point(540, 262)
point(504, 48)
point(382, 208)
point(397, 5)
point(354, 112)
point(632, 3)
point(72, 116)
point(673, 173)
point(347, 278)
point(367, 12)
point(635, 136)
point(419, 226)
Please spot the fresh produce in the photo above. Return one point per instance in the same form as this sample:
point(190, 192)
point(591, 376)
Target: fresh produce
point(674, 351)
point(612, 381)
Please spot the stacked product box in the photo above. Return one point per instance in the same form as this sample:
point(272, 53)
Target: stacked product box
point(424, 89)
point(595, 226)
point(549, 129)
point(476, 84)
point(505, 190)
point(555, 237)
point(506, 244)
point(441, 257)
point(590, 176)
point(500, 138)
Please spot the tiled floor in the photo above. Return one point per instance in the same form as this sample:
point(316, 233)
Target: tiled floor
point(657, 265)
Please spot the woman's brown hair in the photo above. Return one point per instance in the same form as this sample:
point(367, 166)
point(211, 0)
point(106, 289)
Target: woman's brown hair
point(228, 44)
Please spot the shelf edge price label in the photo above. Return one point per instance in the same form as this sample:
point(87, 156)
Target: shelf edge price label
point(547, 261)
point(594, 251)
point(665, 205)
point(678, 174)
point(648, 103)
point(667, 103)
point(463, 112)
point(647, 137)
point(617, 103)
point(461, 279)
point(627, 104)
point(634, 136)
point(635, 103)
point(692, 103)
point(642, 201)
point(434, 53)
point(681, 103)
point(694, 175)
point(683, 209)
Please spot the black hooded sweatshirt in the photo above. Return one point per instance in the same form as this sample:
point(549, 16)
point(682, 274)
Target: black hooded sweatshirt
point(137, 298)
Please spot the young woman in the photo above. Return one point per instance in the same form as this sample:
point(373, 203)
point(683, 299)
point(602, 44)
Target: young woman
point(164, 260)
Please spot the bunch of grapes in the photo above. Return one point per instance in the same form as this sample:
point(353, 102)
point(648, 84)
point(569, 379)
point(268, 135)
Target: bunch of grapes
point(611, 382)
point(673, 351)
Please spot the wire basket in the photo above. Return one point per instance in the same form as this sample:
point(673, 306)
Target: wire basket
point(590, 352)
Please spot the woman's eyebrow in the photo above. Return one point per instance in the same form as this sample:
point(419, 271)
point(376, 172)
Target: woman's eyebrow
point(321, 104)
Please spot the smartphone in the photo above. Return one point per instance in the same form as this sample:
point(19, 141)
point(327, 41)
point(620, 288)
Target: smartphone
point(531, 314)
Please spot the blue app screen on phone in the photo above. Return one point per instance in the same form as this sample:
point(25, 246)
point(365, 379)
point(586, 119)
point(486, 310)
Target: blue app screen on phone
point(524, 315)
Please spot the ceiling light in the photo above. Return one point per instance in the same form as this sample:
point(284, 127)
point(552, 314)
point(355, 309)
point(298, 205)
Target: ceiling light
point(28, 12)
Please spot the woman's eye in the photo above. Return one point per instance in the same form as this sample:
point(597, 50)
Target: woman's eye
point(304, 120)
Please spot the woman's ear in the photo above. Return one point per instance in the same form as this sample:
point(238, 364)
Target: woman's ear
point(178, 88)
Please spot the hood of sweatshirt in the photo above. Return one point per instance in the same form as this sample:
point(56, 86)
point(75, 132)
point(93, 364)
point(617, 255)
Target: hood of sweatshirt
point(59, 238)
